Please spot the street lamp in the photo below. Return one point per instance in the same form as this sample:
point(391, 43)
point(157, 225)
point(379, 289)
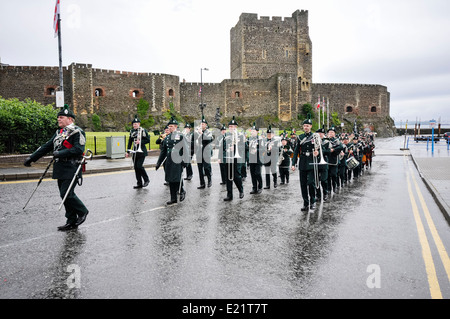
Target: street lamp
point(202, 105)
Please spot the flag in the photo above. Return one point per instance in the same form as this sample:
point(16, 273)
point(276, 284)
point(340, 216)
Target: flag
point(200, 92)
point(318, 103)
point(55, 18)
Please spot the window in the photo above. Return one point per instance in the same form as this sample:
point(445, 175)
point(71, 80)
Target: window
point(171, 93)
point(237, 94)
point(373, 109)
point(50, 91)
point(136, 93)
point(99, 92)
point(349, 109)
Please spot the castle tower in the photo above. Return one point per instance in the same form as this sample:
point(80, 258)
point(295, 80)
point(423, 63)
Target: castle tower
point(261, 48)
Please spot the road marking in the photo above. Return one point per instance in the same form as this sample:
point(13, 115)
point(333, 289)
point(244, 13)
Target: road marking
point(437, 239)
point(426, 251)
point(84, 226)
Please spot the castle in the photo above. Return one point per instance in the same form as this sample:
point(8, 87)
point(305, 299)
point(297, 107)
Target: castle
point(270, 69)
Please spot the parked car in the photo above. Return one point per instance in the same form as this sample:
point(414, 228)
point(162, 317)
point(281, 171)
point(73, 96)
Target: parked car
point(447, 135)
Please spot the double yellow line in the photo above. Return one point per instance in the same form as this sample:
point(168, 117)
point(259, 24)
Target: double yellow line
point(433, 282)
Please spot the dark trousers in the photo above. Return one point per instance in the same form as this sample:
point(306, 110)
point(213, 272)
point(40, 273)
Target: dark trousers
point(307, 187)
point(255, 173)
point(323, 189)
point(139, 170)
point(271, 170)
point(174, 188)
point(284, 174)
point(204, 169)
point(73, 205)
point(189, 171)
point(332, 177)
point(223, 172)
point(233, 170)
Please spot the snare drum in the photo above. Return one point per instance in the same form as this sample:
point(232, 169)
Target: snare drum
point(352, 163)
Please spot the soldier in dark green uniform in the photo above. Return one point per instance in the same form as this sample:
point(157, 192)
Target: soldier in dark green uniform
point(305, 148)
point(175, 153)
point(270, 156)
point(233, 156)
point(254, 154)
point(203, 152)
point(284, 159)
point(67, 145)
point(323, 169)
point(189, 136)
point(333, 159)
point(221, 141)
point(139, 137)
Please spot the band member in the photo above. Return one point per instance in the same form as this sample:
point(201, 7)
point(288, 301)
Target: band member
point(139, 137)
point(254, 153)
point(221, 141)
point(175, 153)
point(67, 145)
point(203, 139)
point(245, 163)
point(357, 153)
point(284, 159)
point(271, 158)
point(343, 156)
point(189, 136)
point(160, 142)
point(333, 159)
point(293, 140)
point(305, 148)
point(368, 152)
point(323, 169)
point(232, 148)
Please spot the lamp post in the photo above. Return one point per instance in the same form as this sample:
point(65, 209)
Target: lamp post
point(202, 105)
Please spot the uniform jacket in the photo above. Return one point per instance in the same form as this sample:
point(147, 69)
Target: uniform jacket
point(70, 142)
point(175, 152)
point(305, 148)
point(145, 139)
point(337, 147)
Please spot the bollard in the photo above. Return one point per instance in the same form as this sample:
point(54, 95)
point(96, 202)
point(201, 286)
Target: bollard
point(407, 144)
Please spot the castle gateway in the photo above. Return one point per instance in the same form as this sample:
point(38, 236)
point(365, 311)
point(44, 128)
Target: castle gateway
point(270, 74)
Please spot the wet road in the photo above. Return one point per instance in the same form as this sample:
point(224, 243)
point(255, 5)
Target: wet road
point(366, 242)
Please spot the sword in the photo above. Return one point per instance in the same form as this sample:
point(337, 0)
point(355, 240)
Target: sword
point(40, 180)
point(83, 161)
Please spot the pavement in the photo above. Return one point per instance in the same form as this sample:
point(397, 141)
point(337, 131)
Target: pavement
point(432, 164)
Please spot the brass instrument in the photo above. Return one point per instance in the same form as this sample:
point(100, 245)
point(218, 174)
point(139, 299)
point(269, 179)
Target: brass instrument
point(232, 154)
point(317, 147)
point(139, 139)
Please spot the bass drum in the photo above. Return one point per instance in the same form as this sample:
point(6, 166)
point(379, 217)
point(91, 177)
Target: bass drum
point(352, 163)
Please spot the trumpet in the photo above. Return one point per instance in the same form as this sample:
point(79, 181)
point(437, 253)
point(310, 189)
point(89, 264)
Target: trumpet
point(317, 147)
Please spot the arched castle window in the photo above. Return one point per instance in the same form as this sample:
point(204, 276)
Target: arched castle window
point(171, 93)
point(349, 109)
point(99, 92)
point(136, 93)
point(237, 94)
point(50, 90)
point(373, 109)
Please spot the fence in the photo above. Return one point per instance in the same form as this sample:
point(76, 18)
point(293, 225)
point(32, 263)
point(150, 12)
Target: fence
point(15, 143)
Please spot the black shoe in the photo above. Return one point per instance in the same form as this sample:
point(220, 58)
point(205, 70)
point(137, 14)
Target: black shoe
point(201, 187)
point(243, 179)
point(67, 227)
point(182, 196)
point(227, 199)
point(275, 185)
point(81, 219)
point(267, 187)
point(146, 184)
point(166, 183)
point(209, 183)
point(241, 195)
point(282, 183)
point(137, 186)
point(254, 191)
point(304, 209)
point(170, 202)
point(222, 183)
point(325, 197)
point(188, 178)
point(312, 206)
point(259, 191)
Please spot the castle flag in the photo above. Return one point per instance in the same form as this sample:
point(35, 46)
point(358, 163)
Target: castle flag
point(55, 18)
point(318, 103)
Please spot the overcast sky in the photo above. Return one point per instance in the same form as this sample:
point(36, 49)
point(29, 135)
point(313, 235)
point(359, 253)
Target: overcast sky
point(402, 44)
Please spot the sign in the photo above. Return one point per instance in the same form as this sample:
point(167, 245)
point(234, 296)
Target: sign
point(59, 98)
point(433, 123)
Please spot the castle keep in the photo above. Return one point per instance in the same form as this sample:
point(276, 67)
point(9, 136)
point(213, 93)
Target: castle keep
point(270, 74)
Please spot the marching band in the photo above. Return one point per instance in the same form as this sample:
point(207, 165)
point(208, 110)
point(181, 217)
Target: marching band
point(326, 161)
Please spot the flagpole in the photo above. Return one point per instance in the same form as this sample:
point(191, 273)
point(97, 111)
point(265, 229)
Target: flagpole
point(61, 82)
point(323, 111)
point(319, 111)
